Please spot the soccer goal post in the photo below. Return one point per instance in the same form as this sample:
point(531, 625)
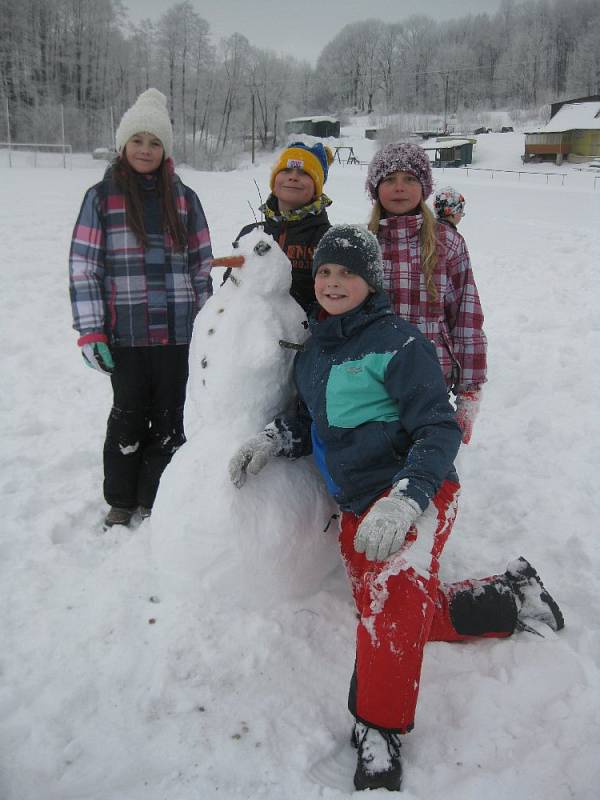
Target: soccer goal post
point(37, 154)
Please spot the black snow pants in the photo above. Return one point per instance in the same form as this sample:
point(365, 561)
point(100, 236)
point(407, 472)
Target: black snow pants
point(145, 426)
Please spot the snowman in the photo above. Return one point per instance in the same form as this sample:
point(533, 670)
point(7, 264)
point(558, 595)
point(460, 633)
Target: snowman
point(245, 338)
point(267, 543)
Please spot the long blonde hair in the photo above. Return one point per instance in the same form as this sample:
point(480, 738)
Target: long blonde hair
point(427, 238)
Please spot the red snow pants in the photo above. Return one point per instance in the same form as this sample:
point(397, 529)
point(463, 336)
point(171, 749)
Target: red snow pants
point(401, 605)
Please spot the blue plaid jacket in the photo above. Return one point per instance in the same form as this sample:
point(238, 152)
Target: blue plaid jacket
point(136, 296)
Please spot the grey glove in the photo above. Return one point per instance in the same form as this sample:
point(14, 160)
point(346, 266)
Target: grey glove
point(382, 531)
point(253, 455)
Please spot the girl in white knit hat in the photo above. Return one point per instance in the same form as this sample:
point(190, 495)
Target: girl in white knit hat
point(139, 273)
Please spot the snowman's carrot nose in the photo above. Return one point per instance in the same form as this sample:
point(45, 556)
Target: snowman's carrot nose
point(229, 261)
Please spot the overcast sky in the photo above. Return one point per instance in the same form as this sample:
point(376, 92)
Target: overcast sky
point(304, 27)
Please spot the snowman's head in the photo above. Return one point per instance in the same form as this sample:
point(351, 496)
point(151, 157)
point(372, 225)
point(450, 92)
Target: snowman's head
point(259, 266)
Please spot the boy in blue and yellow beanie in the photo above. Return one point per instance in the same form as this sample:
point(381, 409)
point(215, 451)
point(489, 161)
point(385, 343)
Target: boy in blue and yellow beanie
point(295, 212)
point(314, 161)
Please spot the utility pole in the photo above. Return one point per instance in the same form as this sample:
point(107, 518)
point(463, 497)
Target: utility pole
point(446, 103)
point(8, 133)
point(253, 127)
point(112, 129)
point(62, 128)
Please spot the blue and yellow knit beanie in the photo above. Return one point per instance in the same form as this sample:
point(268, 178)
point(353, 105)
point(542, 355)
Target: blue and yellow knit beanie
point(313, 160)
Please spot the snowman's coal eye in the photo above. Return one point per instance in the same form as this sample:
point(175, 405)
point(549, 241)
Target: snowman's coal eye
point(261, 248)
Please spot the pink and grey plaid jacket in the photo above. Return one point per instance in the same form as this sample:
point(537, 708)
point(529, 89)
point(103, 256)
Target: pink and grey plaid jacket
point(132, 296)
point(454, 321)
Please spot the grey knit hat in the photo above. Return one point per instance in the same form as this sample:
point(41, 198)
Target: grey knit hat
point(400, 157)
point(147, 115)
point(353, 247)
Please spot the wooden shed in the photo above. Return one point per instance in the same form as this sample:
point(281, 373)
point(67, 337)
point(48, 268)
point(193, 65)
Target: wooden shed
point(314, 126)
point(573, 133)
point(448, 151)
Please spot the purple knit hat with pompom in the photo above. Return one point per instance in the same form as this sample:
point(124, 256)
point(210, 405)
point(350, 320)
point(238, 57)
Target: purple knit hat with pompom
point(400, 157)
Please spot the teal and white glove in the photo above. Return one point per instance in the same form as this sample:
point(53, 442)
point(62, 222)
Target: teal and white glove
point(96, 354)
point(253, 455)
point(383, 530)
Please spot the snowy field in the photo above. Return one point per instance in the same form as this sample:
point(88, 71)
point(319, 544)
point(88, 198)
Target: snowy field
point(118, 685)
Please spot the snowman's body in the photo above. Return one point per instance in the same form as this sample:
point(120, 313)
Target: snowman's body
point(266, 540)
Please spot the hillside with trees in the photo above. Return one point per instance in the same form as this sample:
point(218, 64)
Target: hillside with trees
point(89, 58)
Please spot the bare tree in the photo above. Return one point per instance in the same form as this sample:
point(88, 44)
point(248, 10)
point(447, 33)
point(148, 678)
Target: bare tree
point(235, 63)
point(86, 56)
point(583, 74)
point(270, 79)
point(204, 79)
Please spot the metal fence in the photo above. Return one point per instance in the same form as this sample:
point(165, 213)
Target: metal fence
point(491, 172)
point(518, 173)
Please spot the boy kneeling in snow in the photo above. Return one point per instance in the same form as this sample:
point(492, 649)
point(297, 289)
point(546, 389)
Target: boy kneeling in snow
point(373, 409)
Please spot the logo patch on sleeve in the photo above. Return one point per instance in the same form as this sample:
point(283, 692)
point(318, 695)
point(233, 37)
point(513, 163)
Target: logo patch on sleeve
point(295, 163)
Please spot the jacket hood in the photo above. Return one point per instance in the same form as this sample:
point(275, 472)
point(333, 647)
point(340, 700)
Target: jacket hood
point(407, 225)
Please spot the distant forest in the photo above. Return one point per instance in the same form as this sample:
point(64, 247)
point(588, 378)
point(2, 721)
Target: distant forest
point(89, 58)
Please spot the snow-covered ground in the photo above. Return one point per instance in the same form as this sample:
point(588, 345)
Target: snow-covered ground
point(111, 690)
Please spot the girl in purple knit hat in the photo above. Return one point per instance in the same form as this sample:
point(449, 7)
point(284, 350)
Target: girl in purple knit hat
point(427, 272)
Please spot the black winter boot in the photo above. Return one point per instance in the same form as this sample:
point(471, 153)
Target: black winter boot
point(378, 765)
point(533, 601)
point(118, 516)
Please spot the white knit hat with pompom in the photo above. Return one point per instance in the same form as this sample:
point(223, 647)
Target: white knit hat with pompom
point(147, 115)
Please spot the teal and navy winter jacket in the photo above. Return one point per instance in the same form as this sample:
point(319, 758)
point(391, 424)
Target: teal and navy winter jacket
point(373, 408)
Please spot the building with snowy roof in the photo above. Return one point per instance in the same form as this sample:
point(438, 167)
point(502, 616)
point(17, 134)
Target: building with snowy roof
point(573, 132)
point(450, 151)
point(314, 126)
